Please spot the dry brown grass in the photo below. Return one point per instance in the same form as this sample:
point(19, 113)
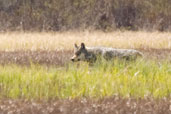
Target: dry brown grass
point(65, 40)
point(60, 58)
point(113, 105)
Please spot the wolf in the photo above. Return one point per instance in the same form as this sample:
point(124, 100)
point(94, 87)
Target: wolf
point(90, 54)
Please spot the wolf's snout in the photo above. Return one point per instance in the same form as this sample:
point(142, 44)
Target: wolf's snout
point(72, 59)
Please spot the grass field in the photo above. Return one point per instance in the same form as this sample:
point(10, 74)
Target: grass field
point(135, 79)
point(36, 66)
point(65, 40)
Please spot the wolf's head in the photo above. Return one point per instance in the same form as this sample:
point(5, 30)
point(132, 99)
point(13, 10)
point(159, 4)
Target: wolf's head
point(82, 54)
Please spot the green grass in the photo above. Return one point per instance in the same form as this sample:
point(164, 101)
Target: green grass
point(133, 79)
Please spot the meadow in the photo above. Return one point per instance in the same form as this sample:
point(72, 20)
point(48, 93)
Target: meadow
point(138, 79)
point(36, 66)
point(11, 41)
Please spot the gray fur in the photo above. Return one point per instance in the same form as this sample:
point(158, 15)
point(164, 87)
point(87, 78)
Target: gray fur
point(90, 54)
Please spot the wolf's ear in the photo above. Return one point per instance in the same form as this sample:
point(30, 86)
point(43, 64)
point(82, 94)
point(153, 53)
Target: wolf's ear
point(82, 45)
point(76, 46)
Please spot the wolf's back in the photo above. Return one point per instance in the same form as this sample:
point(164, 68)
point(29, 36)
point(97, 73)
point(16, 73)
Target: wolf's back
point(112, 52)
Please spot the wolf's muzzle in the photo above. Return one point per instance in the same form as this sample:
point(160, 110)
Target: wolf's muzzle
point(73, 60)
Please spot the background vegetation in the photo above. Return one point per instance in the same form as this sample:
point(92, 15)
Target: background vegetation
point(57, 15)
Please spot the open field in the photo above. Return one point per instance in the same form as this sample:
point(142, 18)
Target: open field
point(138, 79)
point(36, 75)
point(141, 87)
point(65, 40)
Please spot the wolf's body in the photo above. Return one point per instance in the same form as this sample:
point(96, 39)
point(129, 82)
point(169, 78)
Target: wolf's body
point(90, 54)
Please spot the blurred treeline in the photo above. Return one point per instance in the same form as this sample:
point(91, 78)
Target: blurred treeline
point(57, 15)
